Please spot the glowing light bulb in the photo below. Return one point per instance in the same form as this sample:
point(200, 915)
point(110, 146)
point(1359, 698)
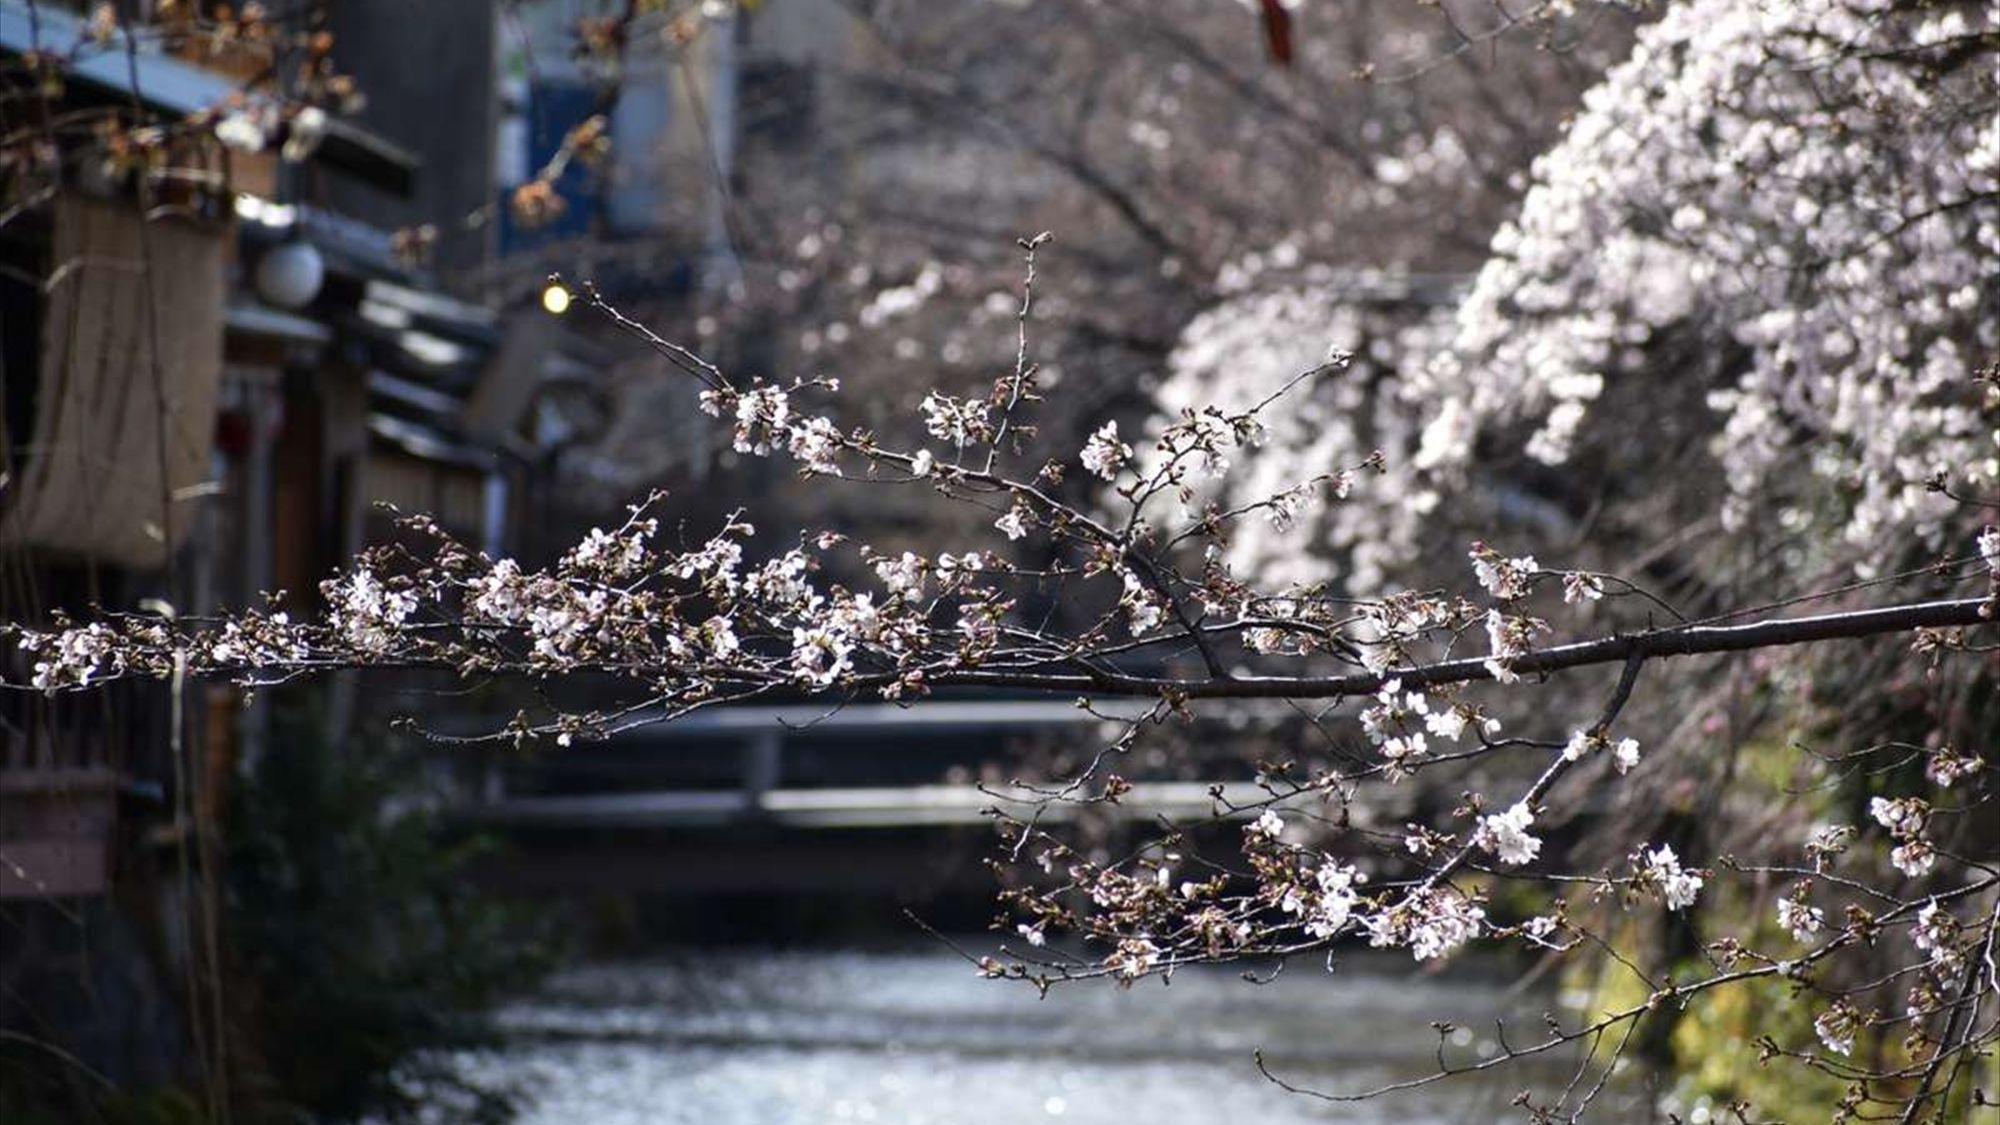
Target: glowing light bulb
point(555, 298)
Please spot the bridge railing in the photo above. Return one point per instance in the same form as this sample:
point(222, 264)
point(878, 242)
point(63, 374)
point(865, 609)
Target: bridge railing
point(768, 743)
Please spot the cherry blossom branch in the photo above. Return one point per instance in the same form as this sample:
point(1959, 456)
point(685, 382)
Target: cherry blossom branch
point(1672, 992)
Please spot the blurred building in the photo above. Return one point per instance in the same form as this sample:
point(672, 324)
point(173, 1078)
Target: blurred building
point(653, 217)
point(215, 366)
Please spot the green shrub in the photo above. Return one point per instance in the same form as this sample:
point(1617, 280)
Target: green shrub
point(355, 932)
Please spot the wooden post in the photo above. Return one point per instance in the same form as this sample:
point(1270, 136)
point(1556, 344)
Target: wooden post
point(763, 754)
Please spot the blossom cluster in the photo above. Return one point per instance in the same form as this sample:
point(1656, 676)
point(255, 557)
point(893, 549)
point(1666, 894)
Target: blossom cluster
point(73, 657)
point(1327, 901)
point(1905, 818)
point(1739, 208)
point(1854, 294)
point(1401, 723)
point(1660, 871)
point(1506, 835)
point(1581, 744)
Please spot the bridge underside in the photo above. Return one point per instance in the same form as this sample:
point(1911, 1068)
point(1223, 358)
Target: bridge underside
point(907, 863)
point(865, 799)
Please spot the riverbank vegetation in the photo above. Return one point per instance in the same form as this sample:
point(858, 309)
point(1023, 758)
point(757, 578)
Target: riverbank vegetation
point(359, 941)
point(354, 947)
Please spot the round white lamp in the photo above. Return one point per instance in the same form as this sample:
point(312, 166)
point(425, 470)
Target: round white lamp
point(289, 274)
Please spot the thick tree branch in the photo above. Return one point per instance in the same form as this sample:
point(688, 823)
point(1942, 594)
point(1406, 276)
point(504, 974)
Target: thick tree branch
point(1694, 640)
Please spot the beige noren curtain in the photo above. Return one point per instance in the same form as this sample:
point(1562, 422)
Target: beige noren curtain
point(91, 485)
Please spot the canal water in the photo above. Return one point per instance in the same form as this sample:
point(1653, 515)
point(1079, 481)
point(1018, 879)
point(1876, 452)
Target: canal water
point(917, 1038)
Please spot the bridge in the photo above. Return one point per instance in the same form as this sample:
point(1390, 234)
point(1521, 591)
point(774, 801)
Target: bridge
point(789, 798)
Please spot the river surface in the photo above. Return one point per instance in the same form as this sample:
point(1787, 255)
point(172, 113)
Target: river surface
point(917, 1038)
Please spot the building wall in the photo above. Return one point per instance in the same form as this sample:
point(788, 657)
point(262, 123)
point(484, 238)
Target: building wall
point(426, 69)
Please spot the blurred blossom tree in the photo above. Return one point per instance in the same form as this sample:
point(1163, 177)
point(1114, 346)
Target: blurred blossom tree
point(890, 156)
point(1729, 368)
